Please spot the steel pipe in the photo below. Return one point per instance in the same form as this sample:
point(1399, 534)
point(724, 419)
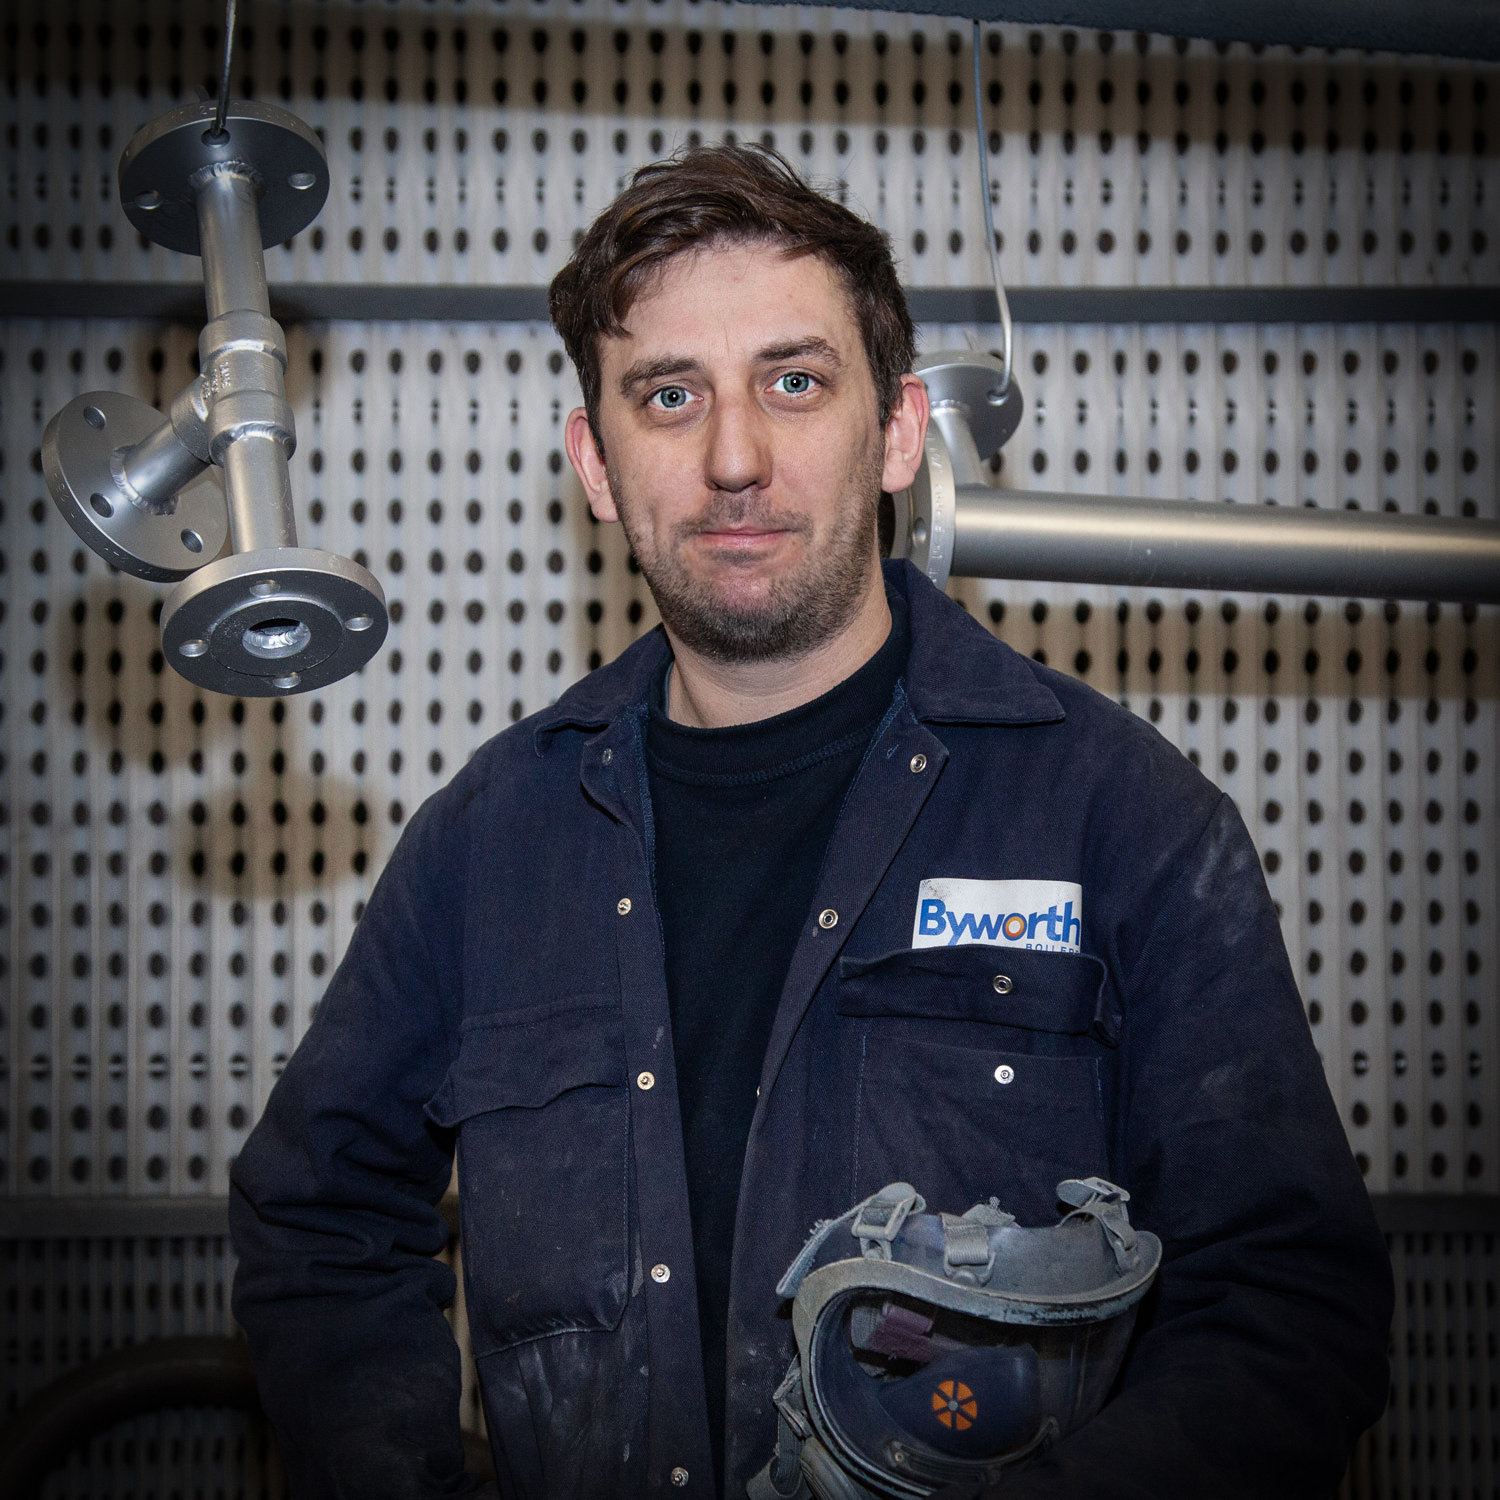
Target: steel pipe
point(1252, 548)
point(172, 456)
point(951, 522)
point(269, 617)
point(242, 352)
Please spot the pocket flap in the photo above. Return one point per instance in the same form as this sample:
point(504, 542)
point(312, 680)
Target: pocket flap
point(525, 1060)
point(1025, 987)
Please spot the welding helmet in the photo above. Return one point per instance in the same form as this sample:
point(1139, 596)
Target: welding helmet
point(935, 1348)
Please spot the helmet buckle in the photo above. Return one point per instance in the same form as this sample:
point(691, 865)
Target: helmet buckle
point(878, 1220)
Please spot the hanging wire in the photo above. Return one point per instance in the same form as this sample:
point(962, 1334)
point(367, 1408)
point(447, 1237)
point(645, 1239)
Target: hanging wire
point(989, 217)
point(223, 109)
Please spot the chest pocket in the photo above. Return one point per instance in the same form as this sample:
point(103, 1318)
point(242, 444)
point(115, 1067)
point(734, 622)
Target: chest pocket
point(979, 1073)
point(539, 1103)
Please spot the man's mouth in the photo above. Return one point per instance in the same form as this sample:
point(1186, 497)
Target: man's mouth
point(747, 535)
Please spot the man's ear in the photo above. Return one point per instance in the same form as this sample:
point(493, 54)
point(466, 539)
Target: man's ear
point(905, 433)
point(588, 464)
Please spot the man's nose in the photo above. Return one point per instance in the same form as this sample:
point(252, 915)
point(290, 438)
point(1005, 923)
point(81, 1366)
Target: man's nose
point(739, 455)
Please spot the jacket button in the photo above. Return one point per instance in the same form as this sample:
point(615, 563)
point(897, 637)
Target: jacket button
point(1005, 1073)
point(623, 906)
point(679, 1476)
point(661, 1272)
point(827, 918)
point(918, 764)
point(1002, 984)
point(608, 756)
point(645, 1080)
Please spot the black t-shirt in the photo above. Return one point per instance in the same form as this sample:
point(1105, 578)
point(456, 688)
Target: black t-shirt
point(743, 817)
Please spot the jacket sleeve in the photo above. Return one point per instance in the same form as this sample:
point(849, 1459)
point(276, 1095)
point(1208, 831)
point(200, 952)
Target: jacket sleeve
point(1261, 1352)
point(332, 1208)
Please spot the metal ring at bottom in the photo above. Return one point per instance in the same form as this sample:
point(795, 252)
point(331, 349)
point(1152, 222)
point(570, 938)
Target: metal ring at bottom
point(273, 622)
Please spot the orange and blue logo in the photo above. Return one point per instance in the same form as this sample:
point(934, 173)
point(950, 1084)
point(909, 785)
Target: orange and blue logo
point(954, 1405)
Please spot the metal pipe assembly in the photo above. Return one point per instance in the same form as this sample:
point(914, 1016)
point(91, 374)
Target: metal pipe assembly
point(1258, 549)
point(254, 614)
point(951, 522)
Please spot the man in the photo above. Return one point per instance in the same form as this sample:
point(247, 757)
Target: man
point(817, 888)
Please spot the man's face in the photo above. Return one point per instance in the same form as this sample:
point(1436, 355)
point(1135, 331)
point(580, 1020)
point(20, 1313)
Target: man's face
point(743, 451)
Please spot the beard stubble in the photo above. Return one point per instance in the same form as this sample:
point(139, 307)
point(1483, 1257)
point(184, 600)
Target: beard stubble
point(803, 607)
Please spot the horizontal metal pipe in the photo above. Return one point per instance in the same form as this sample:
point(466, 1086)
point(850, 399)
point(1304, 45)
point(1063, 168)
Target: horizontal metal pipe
point(1250, 548)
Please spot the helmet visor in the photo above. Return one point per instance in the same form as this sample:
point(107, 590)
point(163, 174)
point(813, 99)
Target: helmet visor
point(941, 1393)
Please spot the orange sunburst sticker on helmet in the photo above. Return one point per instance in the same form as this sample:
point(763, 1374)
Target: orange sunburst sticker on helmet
point(954, 1405)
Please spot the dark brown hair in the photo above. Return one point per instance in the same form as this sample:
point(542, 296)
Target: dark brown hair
point(714, 195)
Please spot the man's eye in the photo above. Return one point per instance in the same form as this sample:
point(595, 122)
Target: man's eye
point(793, 383)
point(669, 398)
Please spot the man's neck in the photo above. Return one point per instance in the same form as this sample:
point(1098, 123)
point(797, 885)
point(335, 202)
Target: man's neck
point(707, 694)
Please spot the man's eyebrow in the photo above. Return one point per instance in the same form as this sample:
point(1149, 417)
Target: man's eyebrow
point(801, 349)
point(648, 371)
point(645, 371)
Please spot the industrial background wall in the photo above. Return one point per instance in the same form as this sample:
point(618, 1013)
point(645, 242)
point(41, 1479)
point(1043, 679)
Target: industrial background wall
point(181, 872)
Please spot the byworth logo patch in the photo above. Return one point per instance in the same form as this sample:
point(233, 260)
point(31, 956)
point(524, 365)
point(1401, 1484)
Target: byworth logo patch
point(1046, 914)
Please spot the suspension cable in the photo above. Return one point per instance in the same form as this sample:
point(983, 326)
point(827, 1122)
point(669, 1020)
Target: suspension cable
point(989, 217)
point(219, 114)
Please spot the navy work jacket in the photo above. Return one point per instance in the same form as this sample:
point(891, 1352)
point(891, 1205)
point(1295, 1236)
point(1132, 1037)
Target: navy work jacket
point(505, 990)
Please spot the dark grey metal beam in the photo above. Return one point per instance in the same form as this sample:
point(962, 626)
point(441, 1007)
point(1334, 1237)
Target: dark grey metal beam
point(1437, 1213)
point(1447, 28)
point(313, 302)
point(112, 1218)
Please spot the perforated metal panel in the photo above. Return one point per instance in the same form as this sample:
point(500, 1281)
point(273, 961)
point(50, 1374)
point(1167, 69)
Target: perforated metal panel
point(469, 142)
point(182, 872)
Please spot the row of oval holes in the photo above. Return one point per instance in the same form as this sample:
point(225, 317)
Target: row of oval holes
point(500, 37)
point(39, 1169)
point(432, 241)
point(80, 966)
point(515, 361)
point(1081, 663)
point(1368, 94)
point(1039, 612)
point(80, 1168)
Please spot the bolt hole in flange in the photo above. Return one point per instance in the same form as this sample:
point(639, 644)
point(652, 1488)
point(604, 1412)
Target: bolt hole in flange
point(358, 622)
point(271, 640)
point(225, 631)
point(149, 199)
point(302, 181)
point(82, 455)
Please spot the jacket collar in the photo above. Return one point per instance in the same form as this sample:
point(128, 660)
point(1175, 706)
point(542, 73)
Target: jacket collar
point(956, 673)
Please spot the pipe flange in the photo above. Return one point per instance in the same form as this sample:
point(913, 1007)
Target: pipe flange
point(165, 162)
point(278, 621)
point(972, 383)
point(926, 513)
point(79, 452)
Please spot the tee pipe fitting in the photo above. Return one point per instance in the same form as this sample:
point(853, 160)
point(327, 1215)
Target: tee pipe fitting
point(265, 616)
